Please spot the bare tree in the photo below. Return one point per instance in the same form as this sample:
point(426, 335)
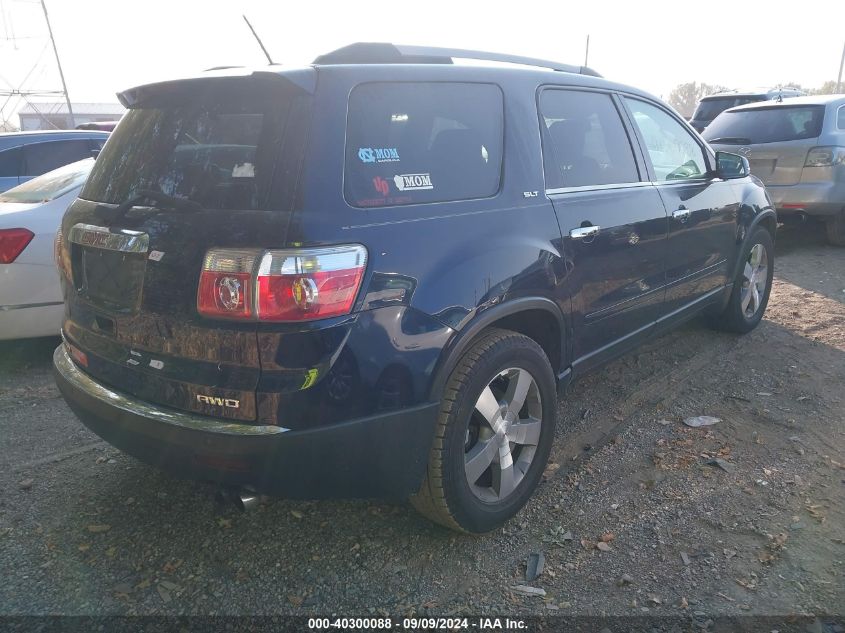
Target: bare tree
point(827, 88)
point(684, 97)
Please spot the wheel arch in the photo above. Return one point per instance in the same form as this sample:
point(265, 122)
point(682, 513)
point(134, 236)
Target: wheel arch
point(766, 219)
point(538, 318)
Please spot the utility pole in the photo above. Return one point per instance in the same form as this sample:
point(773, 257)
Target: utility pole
point(59, 64)
point(587, 52)
point(839, 78)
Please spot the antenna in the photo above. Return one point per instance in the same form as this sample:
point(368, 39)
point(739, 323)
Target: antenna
point(59, 64)
point(257, 39)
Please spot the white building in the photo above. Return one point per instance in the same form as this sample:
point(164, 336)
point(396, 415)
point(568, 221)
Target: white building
point(52, 116)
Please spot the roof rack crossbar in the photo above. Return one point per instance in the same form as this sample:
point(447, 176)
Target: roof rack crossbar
point(384, 53)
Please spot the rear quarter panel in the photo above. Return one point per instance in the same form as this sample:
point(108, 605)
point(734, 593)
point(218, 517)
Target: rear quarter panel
point(454, 260)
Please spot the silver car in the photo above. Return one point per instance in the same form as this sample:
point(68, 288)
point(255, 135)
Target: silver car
point(797, 148)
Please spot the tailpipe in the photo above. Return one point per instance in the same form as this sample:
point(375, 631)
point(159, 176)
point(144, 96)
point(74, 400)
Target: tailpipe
point(243, 499)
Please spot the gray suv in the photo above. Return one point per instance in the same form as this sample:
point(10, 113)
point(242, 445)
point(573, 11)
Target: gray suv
point(797, 148)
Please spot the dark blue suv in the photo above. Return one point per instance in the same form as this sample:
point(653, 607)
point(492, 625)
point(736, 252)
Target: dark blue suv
point(368, 277)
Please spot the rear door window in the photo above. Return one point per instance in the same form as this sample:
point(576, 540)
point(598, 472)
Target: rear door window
point(772, 124)
point(39, 158)
point(411, 143)
point(584, 140)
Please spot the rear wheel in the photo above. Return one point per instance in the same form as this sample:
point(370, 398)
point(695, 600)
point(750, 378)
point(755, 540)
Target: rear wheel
point(752, 286)
point(836, 229)
point(493, 436)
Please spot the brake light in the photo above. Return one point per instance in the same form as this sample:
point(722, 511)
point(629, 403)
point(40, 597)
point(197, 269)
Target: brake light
point(60, 258)
point(226, 283)
point(825, 156)
point(12, 243)
point(281, 285)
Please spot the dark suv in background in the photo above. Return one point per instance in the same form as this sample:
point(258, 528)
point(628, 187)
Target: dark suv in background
point(713, 105)
point(368, 277)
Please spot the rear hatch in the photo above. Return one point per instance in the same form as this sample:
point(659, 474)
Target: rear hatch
point(194, 165)
point(775, 138)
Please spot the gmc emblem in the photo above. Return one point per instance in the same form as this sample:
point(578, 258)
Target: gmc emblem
point(93, 238)
point(229, 403)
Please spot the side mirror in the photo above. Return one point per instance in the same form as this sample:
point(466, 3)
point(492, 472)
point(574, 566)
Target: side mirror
point(729, 166)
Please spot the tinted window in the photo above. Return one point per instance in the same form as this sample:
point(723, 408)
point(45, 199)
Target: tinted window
point(709, 109)
point(840, 118)
point(10, 161)
point(585, 141)
point(672, 149)
point(767, 125)
point(216, 147)
point(422, 142)
point(39, 158)
point(50, 185)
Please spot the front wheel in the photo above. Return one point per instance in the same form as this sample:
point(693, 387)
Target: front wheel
point(493, 435)
point(752, 285)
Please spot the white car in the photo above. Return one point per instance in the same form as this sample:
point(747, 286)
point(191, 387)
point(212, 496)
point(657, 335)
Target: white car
point(30, 215)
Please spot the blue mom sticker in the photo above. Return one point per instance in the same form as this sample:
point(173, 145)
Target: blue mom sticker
point(378, 154)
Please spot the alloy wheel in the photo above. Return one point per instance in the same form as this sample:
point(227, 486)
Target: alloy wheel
point(502, 435)
point(755, 277)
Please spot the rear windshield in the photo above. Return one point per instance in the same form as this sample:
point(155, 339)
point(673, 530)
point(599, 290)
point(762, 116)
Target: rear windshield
point(409, 143)
point(709, 109)
point(51, 185)
point(214, 147)
point(766, 125)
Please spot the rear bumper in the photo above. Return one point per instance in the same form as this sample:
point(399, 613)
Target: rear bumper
point(378, 456)
point(820, 198)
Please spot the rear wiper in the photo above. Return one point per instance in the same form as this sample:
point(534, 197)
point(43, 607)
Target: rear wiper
point(173, 202)
point(732, 140)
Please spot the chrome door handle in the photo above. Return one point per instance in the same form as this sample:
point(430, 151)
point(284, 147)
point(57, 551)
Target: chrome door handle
point(584, 231)
point(681, 214)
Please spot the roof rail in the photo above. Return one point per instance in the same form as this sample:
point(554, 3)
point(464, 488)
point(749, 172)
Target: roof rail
point(385, 53)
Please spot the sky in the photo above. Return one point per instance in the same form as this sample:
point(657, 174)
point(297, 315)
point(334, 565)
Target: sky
point(107, 46)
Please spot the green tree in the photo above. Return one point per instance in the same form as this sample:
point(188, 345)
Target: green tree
point(685, 97)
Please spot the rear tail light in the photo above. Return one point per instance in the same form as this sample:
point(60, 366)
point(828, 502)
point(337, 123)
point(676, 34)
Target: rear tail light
point(12, 243)
point(281, 285)
point(825, 156)
point(60, 257)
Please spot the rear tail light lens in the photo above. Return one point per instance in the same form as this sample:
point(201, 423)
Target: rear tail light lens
point(12, 243)
point(60, 257)
point(281, 285)
point(226, 283)
point(825, 157)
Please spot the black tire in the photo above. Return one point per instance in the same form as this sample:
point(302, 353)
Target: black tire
point(446, 496)
point(735, 318)
point(835, 227)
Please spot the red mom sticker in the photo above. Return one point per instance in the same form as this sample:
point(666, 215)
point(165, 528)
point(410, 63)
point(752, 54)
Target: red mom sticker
point(381, 185)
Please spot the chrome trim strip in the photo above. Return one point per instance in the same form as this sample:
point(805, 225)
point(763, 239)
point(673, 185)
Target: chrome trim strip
point(23, 306)
point(122, 240)
point(81, 381)
point(623, 185)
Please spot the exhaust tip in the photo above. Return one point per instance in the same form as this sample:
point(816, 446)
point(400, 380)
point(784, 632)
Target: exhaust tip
point(242, 498)
point(246, 500)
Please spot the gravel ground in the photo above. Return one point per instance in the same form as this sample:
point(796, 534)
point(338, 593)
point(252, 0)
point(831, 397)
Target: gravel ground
point(631, 518)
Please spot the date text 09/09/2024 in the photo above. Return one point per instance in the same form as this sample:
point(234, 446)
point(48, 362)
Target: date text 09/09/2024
point(417, 624)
